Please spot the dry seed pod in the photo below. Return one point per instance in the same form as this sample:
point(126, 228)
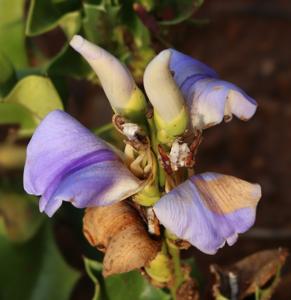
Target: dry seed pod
point(131, 248)
point(120, 232)
point(101, 223)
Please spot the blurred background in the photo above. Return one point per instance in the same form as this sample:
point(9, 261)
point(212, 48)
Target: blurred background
point(247, 42)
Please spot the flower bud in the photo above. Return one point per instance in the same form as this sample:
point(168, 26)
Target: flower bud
point(124, 96)
point(171, 116)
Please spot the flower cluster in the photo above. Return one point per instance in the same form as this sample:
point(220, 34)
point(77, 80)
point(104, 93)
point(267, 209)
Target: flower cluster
point(67, 162)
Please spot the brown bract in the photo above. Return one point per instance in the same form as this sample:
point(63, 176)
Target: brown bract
point(241, 279)
point(119, 231)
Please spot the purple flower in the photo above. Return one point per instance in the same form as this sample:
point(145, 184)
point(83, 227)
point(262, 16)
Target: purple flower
point(209, 209)
point(66, 162)
point(208, 98)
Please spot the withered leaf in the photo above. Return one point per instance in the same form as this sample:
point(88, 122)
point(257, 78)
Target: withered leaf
point(243, 278)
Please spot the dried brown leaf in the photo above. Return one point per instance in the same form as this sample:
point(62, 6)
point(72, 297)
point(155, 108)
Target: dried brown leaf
point(243, 278)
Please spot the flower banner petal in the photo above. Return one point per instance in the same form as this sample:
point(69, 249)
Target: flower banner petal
point(209, 209)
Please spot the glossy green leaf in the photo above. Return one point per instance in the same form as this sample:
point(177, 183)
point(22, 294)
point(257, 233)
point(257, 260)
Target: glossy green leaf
point(45, 15)
point(35, 270)
point(15, 114)
point(7, 75)
point(37, 94)
point(123, 286)
point(20, 215)
point(12, 31)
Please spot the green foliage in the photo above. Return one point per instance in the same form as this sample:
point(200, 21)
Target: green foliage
point(45, 15)
point(123, 286)
point(12, 31)
point(29, 102)
point(20, 216)
point(35, 270)
point(7, 75)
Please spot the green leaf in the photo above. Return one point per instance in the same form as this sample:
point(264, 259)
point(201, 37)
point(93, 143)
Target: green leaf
point(7, 75)
point(20, 215)
point(35, 270)
point(71, 23)
point(99, 22)
point(123, 286)
point(45, 15)
point(117, 287)
point(37, 94)
point(13, 113)
point(12, 31)
point(69, 63)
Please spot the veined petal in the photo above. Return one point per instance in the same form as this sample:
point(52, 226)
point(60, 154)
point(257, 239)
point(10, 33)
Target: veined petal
point(98, 184)
point(185, 67)
point(63, 159)
point(209, 99)
point(209, 209)
point(212, 100)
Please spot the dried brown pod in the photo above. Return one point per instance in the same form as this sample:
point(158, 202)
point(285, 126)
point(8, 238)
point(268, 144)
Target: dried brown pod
point(243, 278)
point(120, 232)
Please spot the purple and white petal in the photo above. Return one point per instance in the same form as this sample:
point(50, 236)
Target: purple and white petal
point(209, 209)
point(211, 100)
point(98, 184)
point(185, 67)
point(208, 98)
point(60, 153)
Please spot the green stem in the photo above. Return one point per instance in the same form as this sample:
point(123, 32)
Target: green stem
point(154, 143)
point(179, 276)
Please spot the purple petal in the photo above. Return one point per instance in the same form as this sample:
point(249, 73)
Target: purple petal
point(209, 99)
point(95, 185)
point(209, 209)
point(212, 100)
point(66, 162)
point(185, 67)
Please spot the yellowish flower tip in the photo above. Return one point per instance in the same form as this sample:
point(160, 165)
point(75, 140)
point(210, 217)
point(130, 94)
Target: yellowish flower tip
point(116, 80)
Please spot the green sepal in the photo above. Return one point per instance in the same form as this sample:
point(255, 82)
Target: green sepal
point(148, 196)
point(136, 107)
point(167, 132)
